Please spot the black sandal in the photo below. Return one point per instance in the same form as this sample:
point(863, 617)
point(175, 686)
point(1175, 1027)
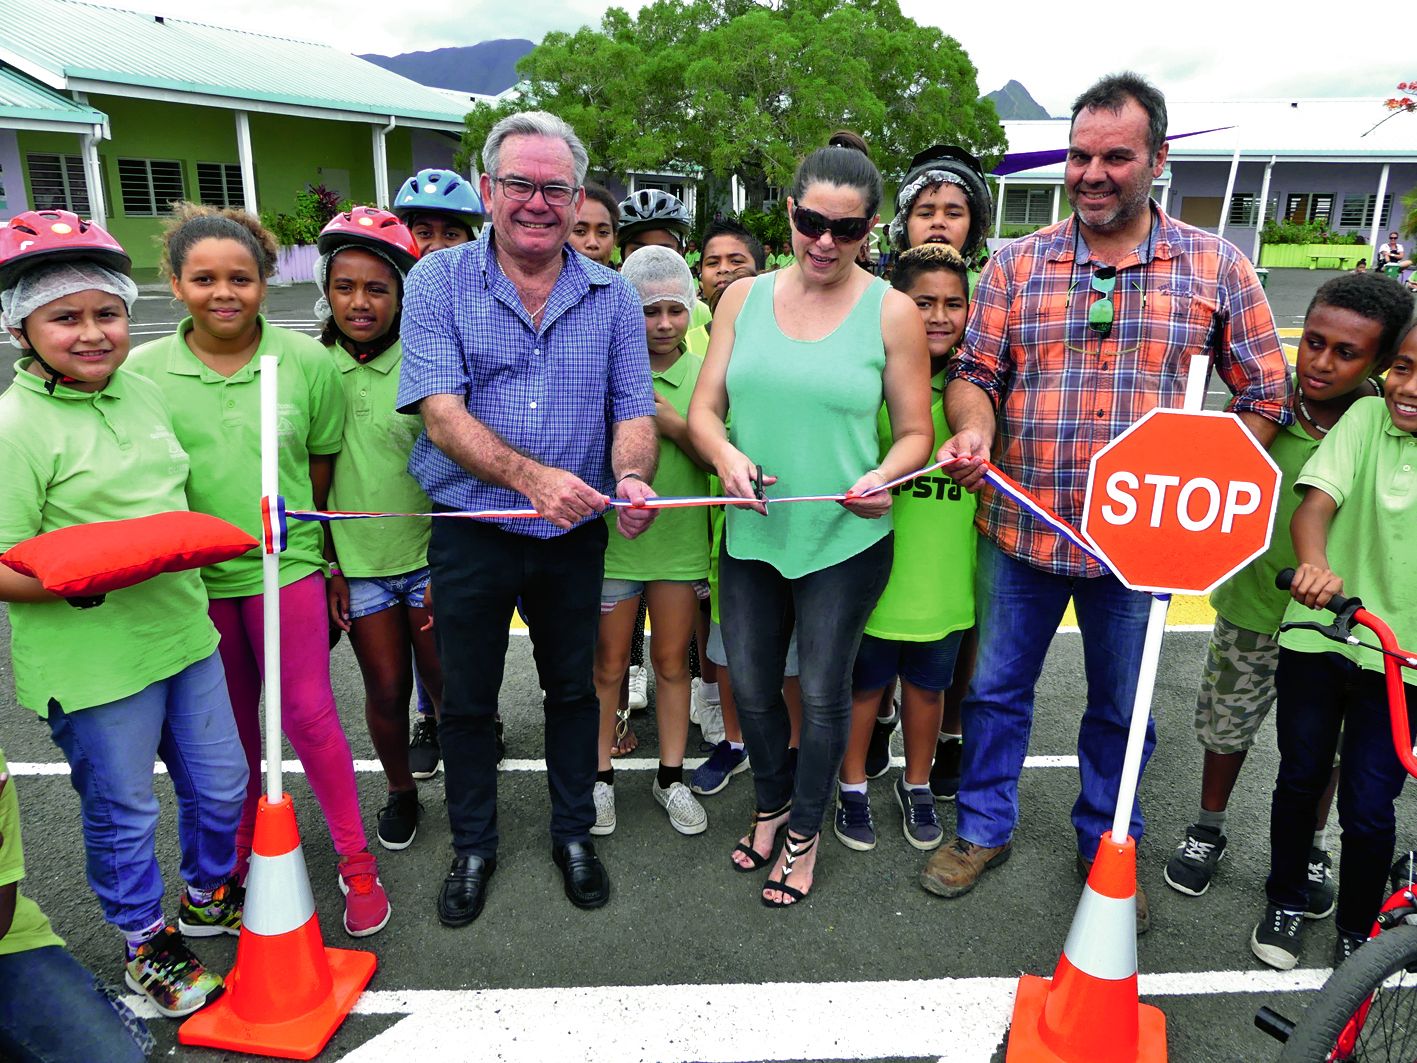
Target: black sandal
point(791, 850)
point(756, 861)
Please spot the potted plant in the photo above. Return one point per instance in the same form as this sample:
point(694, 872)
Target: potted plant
point(1306, 245)
point(296, 232)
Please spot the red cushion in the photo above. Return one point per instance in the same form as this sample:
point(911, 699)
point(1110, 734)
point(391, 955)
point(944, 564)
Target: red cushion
point(90, 559)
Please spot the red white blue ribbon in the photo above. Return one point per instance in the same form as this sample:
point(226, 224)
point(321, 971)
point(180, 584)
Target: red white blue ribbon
point(273, 524)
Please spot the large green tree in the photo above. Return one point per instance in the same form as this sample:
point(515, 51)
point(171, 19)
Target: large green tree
point(746, 88)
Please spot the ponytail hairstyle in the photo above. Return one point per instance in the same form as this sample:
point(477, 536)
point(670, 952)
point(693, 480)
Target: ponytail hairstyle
point(845, 167)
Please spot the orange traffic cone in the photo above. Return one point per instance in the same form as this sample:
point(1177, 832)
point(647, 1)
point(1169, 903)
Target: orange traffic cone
point(287, 993)
point(1088, 1012)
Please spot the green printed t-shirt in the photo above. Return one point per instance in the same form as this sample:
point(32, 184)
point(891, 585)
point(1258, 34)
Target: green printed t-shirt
point(1249, 599)
point(697, 340)
point(1369, 467)
point(931, 588)
point(218, 421)
point(675, 546)
point(371, 472)
point(77, 457)
point(30, 928)
point(806, 412)
point(701, 314)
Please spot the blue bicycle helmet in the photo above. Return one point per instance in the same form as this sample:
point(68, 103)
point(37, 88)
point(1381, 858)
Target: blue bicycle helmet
point(439, 192)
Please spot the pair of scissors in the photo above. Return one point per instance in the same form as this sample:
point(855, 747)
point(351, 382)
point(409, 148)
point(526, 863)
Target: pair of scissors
point(756, 482)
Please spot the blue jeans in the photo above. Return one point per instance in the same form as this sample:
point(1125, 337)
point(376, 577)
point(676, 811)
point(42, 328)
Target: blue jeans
point(1019, 609)
point(52, 1012)
point(186, 720)
point(828, 609)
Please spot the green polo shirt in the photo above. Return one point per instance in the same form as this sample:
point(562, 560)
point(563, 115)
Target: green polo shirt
point(218, 421)
point(675, 546)
point(371, 472)
point(1249, 599)
point(1369, 467)
point(77, 457)
point(931, 588)
point(701, 315)
point(29, 929)
point(696, 340)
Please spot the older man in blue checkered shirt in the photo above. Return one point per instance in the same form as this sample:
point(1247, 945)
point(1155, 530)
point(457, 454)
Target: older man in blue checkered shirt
point(529, 365)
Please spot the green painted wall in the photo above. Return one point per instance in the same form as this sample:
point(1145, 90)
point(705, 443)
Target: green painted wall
point(289, 154)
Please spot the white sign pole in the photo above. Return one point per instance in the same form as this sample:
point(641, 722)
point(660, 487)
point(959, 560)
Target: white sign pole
point(1151, 649)
point(270, 572)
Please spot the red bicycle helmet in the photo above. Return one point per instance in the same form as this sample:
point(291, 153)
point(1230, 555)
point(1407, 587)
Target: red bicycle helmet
point(40, 237)
point(373, 228)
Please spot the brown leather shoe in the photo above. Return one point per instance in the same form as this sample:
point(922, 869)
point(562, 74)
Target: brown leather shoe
point(956, 867)
point(1084, 868)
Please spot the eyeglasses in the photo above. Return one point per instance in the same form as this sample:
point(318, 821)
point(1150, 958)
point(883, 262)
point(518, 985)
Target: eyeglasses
point(521, 190)
point(812, 225)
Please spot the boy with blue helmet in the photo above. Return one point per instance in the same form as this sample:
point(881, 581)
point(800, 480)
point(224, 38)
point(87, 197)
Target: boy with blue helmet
point(441, 209)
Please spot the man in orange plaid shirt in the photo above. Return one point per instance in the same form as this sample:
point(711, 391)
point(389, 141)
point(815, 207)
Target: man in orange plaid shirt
point(1075, 332)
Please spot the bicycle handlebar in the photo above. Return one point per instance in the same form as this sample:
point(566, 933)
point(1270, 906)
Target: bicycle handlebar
point(1336, 604)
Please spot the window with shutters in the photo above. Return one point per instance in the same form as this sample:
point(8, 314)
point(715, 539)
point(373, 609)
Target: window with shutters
point(219, 184)
point(1244, 209)
point(149, 187)
point(1309, 206)
point(1028, 206)
point(1357, 212)
point(57, 183)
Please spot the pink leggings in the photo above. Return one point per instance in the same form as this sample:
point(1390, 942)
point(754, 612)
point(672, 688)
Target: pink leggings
point(308, 714)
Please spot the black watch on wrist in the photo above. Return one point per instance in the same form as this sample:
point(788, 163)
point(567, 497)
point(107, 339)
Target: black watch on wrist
point(631, 476)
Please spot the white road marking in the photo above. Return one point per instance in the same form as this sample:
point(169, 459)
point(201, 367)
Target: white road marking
point(294, 767)
point(957, 1019)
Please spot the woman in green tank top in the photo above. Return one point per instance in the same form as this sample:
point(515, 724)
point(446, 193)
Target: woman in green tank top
point(804, 358)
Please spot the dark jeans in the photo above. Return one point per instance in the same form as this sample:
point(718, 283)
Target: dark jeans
point(1319, 693)
point(52, 1012)
point(478, 573)
point(759, 607)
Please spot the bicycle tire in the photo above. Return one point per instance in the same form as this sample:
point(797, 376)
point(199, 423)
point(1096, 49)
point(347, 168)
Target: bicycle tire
point(1316, 1034)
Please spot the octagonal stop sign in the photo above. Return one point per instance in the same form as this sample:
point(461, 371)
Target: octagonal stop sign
point(1181, 501)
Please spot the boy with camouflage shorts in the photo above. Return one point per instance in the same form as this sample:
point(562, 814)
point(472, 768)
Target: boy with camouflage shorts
point(1350, 334)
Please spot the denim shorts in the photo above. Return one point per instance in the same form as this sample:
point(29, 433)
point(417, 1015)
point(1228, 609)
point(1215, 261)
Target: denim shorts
point(615, 591)
point(715, 652)
point(927, 665)
point(373, 594)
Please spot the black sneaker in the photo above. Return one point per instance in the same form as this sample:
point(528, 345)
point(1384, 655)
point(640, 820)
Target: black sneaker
point(1276, 937)
point(1345, 946)
point(878, 754)
point(398, 820)
point(425, 756)
point(1193, 865)
point(1323, 895)
point(944, 773)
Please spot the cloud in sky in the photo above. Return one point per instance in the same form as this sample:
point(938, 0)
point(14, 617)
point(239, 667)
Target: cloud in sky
point(1203, 49)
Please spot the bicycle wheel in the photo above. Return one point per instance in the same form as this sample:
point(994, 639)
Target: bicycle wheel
point(1367, 1010)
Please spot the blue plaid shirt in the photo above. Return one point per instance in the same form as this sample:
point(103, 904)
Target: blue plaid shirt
point(553, 395)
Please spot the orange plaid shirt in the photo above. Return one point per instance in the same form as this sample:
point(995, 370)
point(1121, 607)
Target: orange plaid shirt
point(1061, 392)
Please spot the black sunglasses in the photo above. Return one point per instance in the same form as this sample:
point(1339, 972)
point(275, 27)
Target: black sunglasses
point(812, 224)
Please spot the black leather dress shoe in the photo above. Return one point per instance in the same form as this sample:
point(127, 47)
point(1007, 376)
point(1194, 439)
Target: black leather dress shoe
point(465, 889)
point(587, 884)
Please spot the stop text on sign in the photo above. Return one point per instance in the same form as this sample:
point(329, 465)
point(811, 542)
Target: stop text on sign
point(1196, 504)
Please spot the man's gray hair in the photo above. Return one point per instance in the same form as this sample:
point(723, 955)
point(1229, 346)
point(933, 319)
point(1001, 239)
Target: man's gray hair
point(534, 124)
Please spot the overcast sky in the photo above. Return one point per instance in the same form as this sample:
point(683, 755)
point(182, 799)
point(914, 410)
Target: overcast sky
point(1196, 49)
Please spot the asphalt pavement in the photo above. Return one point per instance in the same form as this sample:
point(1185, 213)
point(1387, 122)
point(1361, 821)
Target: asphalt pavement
point(685, 963)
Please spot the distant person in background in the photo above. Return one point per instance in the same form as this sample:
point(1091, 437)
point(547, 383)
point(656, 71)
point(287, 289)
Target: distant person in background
point(440, 208)
point(1390, 253)
point(1362, 266)
point(593, 235)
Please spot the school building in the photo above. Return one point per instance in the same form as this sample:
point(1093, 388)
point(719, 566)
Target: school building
point(114, 114)
point(1250, 161)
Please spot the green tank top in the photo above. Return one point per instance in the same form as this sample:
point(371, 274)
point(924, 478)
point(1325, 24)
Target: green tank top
point(806, 412)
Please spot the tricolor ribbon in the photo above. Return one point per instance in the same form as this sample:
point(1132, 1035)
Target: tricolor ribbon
point(273, 526)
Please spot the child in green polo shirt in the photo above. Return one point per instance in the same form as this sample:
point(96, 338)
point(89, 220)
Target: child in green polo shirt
point(1353, 534)
point(379, 567)
point(134, 675)
point(1351, 330)
point(668, 563)
point(209, 370)
point(928, 604)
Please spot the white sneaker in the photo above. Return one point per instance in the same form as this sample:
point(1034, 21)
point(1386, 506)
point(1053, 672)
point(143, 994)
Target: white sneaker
point(686, 815)
point(711, 723)
point(604, 796)
point(639, 688)
point(698, 701)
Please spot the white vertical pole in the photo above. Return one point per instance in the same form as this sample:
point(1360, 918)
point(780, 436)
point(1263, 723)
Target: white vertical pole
point(1377, 237)
point(270, 573)
point(999, 212)
point(381, 166)
point(248, 167)
point(1229, 191)
point(1166, 196)
point(93, 179)
point(1057, 197)
point(1264, 207)
point(1151, 650)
